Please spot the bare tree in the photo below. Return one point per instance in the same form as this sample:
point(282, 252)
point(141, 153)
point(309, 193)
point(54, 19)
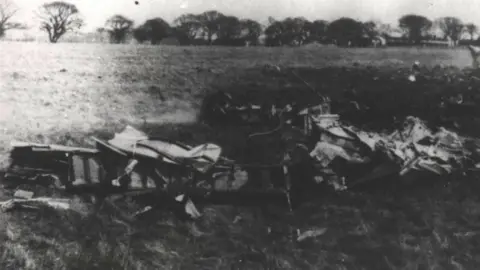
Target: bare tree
point(385, 29)
point(451, 27)
point(118, 27)
point(187, 28)
point(370, 28)
point(7, 11)
point(209, 21)
point(102, 34)
point(415, 27)
point(251, 30)
point(229, 28)
point(471, 29)
point(155, 29)
point(271, 20)
point(58, 18)
point(346, 31)
point(318, 30)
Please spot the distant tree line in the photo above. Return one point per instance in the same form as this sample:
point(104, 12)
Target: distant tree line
point(215, 28)
point(207, 28)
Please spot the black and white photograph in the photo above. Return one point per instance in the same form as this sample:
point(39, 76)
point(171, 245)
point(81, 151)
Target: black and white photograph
point(221, 134)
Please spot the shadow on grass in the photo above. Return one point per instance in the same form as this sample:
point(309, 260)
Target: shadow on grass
point(424, 228)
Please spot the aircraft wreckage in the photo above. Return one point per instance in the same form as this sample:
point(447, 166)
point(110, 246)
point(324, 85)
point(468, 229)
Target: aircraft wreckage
point(318, 151)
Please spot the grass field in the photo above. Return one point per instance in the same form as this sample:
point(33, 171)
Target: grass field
point(63, 93)
point(90, 86)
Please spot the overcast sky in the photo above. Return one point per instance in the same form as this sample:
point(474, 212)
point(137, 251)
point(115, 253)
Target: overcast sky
point(96, 12)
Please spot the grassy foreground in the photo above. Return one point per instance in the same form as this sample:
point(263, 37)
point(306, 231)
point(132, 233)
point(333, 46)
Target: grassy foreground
point(64, 93)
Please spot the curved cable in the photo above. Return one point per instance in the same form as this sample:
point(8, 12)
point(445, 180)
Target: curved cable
point(280, 125)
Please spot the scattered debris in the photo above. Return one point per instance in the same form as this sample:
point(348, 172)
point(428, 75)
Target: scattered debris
point(416, 66)
point(311, 234)
point(63, 204)
point(267, 68)
point(135, 164)
point(224, 108)
point(316, 146)
point(343, 156)
point(237, 219)
point(143, 211)
point(191, 210)
point(61, 166)
point(415, 147)
point(22, 194)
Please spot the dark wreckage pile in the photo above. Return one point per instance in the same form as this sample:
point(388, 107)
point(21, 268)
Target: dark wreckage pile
point(326, 153)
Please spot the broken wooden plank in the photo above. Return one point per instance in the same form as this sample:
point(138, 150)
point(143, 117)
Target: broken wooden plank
point(54, 148)
point(71, 170)
point(22, 170)
point(86, 170)
point(56, 203)
point(23, 194)
point(102, 145)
